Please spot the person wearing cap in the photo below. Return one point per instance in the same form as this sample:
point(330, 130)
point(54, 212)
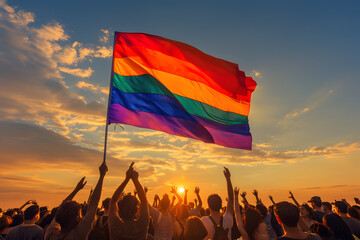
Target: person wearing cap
point(354, 225)
point(316, 204)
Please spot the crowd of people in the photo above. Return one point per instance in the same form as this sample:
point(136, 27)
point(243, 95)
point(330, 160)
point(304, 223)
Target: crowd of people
point(127, 216)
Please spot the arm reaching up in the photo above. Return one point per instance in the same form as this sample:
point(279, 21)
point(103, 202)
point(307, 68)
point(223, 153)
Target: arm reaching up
point(113, 208)
point(238, 216)
point(293, 198)
point(272, 200)
point(180, 201)
point(95, 196)
point(197, 192)
point(256, 194)
point(185, 197)
point(81, 184)
point(245, 201)
point(27, 203)
point(230, 204)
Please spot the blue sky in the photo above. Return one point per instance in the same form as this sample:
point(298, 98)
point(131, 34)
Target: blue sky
point(55, 60)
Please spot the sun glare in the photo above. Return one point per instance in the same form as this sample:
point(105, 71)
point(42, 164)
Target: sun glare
point(181, 189)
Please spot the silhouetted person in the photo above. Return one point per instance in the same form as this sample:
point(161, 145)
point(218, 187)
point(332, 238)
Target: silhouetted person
point(250, 225)
point(327, 207)
point(288, 216)
point(68, 223)
point(215, 218)
point(338, 227)
point(316, 204)
point(122, 211)
point(354, 225)
point(28, 230)
point(194, 229)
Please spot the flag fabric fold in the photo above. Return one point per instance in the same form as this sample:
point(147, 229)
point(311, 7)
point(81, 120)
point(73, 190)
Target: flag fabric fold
point(172, 87)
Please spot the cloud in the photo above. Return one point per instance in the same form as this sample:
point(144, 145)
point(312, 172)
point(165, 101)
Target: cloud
point(92, 87)
point(83, 73)
point(256, 73)
point(19, 18)
point(105, 37)
point(301, 111)
point(33, 62)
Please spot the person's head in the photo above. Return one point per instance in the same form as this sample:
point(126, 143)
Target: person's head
point(327, 207)
point(287, 214)
point(5, 221)
point(353, 213)
point(263, 210)
point(194, 229)
point(357, 207)
point(214, 202)
point(68, 215)
point(32, 213)
point(315, 202)
point(43, 211)
point(182, 212)
point(191, 205)
point(128, 207)
point(306, 211)
point(10, 212)
point(17, 220)
point(252, 219)
point(321, 230)
point(340, 207)
point(337, 225)
point(106, 203)
point(164, 203)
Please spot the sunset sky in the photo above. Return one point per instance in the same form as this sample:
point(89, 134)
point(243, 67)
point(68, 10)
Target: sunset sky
point(55, 63)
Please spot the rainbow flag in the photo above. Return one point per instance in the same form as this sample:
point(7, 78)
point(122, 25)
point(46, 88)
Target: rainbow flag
point(172, 87)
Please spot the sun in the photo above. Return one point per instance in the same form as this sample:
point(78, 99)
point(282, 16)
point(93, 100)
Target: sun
point(181, 189)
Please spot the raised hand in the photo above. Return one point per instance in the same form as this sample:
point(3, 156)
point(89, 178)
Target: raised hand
point(195, 200)
point(243, 194)
point(103, 169)
point(236, 191)
point(81, 184)
point(256, 193)
point(271, 198)
point(357, 201)
point(173, 190)
point(134, 175)
point(173, 198)
point(146, 189)
point(197, 190)
point(186, 190)
point(291, 195)
point(227, 173)
point(129, 172)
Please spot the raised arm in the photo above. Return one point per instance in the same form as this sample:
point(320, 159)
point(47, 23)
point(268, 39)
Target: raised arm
point(185, 197)
point(174, 191)
point(113, 209)
point(197, 192)
point(230, 204)
point(27, 203)
point(155, 203)
point(95, 196)
point(172, 201)
point(238, 216)
point(293, 198)
point(256, 194)
point(78, 187)
point(272, 200)
point(139, 189)
point(245, 201)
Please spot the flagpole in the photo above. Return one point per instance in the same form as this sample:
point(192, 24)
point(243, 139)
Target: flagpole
point(109, 100)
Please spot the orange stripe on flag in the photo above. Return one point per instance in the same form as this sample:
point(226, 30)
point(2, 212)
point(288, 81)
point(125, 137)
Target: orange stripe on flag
point(189, 88)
